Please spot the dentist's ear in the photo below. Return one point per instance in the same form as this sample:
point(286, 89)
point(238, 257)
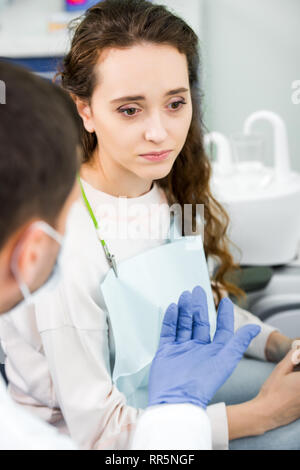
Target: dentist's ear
point(85, 112)
point(29, 254)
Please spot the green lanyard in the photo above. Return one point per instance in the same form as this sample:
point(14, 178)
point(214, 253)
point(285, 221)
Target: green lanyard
point(110, 258)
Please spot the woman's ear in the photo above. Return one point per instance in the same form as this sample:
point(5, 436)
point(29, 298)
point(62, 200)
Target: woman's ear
point(85, 112)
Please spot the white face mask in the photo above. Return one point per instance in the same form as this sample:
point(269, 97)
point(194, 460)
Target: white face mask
point(55, 275)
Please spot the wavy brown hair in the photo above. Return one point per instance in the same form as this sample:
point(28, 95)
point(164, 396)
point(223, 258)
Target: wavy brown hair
point(126, 23)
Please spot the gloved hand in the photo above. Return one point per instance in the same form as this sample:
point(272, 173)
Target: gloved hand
point(188, 367)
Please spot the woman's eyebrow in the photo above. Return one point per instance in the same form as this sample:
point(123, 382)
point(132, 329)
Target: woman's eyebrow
point(142, 98)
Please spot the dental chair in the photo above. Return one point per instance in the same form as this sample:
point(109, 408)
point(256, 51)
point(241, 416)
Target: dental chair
point(273, 295)
point(2, 368)
point(278, 304)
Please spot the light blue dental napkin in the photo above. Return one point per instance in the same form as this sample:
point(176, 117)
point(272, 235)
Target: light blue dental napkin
point(137, 300)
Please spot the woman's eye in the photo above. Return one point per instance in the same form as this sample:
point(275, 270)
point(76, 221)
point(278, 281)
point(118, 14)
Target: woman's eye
point(130, 110)
point(177, 103)
point(123, 111)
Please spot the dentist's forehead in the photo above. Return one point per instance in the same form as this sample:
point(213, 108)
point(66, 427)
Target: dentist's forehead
point(140, 70)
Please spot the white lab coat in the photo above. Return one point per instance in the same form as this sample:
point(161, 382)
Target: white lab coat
point(173, 427)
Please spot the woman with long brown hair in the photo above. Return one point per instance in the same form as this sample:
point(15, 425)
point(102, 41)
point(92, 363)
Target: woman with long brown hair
point(133, 72)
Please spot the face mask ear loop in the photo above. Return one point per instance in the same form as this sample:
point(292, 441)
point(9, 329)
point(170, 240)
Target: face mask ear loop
point(46, 228)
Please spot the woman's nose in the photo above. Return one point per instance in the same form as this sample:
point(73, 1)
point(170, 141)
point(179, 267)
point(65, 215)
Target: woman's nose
point(155, 129)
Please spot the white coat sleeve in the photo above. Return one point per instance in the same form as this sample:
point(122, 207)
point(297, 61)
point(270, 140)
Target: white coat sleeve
point(173, 427)
point(219, 426)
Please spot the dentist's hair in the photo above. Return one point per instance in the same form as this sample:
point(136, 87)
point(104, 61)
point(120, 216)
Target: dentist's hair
point(126, 23)
point(39, 138)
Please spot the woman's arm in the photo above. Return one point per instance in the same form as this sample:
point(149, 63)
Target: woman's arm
point(95, 412)
point(277, 403)
point(246, 419)
point(270, 344)
point(258, 347)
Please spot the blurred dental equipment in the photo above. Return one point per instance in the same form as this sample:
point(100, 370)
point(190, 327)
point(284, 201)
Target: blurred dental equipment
point(262, 201)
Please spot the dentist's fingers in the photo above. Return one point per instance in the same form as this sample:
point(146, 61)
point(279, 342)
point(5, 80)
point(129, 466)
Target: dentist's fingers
point(201, 327)
point(233, 351)
point(169, 325)
point(225, 322)
point(185, 317)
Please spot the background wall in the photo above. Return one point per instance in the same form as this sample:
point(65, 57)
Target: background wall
point(251, 56)
point(189, 10)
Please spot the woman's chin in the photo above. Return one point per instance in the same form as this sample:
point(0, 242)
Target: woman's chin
point(157, 171)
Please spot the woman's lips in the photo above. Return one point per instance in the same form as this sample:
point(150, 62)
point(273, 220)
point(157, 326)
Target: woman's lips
point(156, 158)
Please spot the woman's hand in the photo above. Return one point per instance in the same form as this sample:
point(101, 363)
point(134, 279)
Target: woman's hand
point(280, 394)
point(277, 403)
point(277, 346)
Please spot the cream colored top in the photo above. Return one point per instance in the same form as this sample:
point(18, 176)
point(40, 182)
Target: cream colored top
point(60, 354)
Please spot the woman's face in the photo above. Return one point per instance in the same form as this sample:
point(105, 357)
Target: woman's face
point(141, 104)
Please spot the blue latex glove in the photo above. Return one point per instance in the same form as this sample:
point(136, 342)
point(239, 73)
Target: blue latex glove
point(188, 367)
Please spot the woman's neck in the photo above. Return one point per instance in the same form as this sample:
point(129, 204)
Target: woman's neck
point(115, 181)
